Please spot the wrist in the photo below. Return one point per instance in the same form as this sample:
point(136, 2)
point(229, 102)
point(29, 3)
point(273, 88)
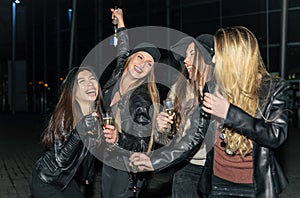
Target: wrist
point(120, 29)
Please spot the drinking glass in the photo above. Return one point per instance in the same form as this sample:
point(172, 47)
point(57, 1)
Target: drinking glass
point(170, 109)
point(107, 118)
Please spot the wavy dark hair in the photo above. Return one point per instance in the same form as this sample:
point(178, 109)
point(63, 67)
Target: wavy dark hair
point(67, 112)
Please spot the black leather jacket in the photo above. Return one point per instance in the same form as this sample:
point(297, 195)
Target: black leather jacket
point(58, 165)
point(269, 179)
point(135, 105)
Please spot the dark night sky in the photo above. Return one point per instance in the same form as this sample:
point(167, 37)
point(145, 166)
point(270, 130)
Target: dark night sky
point(39, 22)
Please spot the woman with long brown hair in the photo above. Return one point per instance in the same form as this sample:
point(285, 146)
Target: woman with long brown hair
point(73, 130)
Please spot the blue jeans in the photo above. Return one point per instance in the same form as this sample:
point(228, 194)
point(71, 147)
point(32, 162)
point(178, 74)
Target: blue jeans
point(185, 181)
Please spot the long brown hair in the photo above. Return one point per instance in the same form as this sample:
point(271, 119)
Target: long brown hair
point(67, 112)
point(185, 105)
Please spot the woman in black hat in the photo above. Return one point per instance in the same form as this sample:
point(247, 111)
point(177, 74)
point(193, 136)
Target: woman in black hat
point(131, 94)
point(196, 56)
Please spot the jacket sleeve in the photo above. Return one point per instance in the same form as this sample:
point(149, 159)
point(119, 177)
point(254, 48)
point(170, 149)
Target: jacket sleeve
point(123, 42)
point(270, 132)
point(66, 151)
point(182, 147)
point(123, 52)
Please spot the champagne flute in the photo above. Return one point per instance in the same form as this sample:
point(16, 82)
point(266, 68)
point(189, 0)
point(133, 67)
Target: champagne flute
point(170, 109)
point(108, 120)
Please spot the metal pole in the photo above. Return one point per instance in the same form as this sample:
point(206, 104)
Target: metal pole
point(72, 34)
point(267, 34)
point(33, 61)
point(58, 58)
point(13, 66)
point(221, 13)
point(44, 98)
point(283, 38)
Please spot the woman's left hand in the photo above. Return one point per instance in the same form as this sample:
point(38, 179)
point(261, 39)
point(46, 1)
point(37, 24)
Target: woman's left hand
point(111, 134)
point(142, 161)
point(215, 104)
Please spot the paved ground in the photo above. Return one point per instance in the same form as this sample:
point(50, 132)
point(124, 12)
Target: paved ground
point(19, 148)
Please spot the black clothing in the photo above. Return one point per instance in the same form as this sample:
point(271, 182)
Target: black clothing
point(55, 170)
point(269, 179)
point(42, 189)
point(135, 113)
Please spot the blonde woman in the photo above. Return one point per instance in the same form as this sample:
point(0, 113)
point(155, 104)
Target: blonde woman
point(253, 105)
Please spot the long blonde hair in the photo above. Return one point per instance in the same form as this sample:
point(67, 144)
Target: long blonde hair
point(239, 67)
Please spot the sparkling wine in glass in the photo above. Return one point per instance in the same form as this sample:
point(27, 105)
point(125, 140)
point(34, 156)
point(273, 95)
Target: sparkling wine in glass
point(107, 118)
point(170, 109)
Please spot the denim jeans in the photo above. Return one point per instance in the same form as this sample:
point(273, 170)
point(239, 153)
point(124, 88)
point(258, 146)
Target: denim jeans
point(185, 181)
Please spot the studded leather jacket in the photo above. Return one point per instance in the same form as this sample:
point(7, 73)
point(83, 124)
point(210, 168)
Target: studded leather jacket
point(58, 165)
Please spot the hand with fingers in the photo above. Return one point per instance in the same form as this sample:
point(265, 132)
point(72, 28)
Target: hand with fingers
point(118, 14)
point(142, 161)
point(89, 125)
point(215, 104)
point(111, 134)
point(163, 121)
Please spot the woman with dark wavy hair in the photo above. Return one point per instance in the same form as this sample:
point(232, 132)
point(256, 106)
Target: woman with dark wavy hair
point(73, 129)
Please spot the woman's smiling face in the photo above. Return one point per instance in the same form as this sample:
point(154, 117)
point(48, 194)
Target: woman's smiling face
point(87, 87)
point(189, 59)
point(140, 64)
